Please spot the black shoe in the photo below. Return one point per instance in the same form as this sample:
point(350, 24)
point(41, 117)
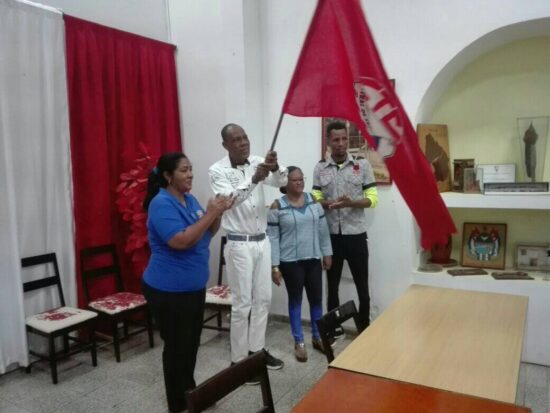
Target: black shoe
point(273, 363)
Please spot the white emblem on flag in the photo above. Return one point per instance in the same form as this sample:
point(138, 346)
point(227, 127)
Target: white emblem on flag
point(382, 118)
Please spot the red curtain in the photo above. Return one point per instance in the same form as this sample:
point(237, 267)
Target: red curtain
point(122, 92)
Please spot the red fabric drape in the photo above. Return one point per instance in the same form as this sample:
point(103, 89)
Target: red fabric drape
point(340, 74)
point(122, 91)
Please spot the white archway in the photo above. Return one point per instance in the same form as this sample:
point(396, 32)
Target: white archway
point(479, 47)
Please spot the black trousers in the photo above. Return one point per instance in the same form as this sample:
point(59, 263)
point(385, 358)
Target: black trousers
point(353, 249)
point(179, 317)
point(297, 275)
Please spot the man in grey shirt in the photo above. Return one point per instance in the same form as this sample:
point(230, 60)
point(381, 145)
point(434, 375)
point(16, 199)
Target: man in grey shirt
point(345, 186)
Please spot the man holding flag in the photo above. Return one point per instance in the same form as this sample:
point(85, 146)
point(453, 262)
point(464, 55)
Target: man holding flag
point(248, 251)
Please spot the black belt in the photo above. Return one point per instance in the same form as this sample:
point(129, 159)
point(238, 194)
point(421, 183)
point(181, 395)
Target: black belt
point(238, 237)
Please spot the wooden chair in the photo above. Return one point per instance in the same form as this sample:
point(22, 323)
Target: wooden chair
point(120, 307)
point(60, 321)
point(218, 297)
point(333, 319)
point(226, 381)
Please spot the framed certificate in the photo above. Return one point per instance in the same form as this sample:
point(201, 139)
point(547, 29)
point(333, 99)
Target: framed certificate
point(499, 173)
point(484, 245)
point(532, 257)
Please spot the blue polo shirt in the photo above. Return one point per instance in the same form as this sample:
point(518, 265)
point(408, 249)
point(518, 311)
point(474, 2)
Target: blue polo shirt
point(170, 269)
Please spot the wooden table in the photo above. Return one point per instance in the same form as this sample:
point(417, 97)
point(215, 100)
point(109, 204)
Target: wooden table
point(345, 391)
point(462, 341)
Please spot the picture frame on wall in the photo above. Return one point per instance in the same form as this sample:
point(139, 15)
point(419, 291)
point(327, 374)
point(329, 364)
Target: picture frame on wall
point(533, 256)
point(484, 245)
point(434, 143)
point(359, 148)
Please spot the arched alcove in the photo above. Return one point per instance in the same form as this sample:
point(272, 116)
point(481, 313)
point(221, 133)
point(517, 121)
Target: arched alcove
point(481, 46)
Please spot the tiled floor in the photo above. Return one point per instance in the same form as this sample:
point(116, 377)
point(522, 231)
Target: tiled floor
point(136, 384)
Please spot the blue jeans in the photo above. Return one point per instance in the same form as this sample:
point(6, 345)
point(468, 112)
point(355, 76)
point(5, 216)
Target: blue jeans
point(297, 275)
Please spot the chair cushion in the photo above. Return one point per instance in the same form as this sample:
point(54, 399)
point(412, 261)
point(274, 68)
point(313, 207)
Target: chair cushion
point(219, 294)
point(116, 303)
point(58, 318)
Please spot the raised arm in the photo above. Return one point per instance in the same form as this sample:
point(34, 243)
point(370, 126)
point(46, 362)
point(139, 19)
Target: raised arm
point(172, 230)
point(278, 175)
point(220, 184)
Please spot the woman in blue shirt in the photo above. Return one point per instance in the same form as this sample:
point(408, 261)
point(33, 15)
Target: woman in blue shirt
point(299, 237)
point(175, 279)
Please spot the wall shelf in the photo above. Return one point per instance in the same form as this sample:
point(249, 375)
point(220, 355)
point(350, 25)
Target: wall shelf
point(538, 276)
point(509, 201)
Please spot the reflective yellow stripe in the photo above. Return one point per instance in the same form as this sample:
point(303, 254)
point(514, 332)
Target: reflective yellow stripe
point(372, 194)
point(318, 194)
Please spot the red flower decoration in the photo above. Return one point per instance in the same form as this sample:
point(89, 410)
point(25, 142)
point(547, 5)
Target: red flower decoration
point(54, 315)
point(130, 195)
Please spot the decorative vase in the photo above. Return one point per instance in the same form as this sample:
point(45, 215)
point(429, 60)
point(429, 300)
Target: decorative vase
point(441, 254)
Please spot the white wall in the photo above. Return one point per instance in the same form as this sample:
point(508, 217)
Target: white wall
point(219, 76)
point(144, 17)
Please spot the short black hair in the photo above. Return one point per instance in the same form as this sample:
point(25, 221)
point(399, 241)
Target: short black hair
point(336, 125)
point(226, 127)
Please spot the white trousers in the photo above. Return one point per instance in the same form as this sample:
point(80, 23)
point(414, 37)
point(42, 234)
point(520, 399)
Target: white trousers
point(248, 266)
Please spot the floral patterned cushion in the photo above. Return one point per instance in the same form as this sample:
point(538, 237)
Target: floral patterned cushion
point(219, 294)
point(115, 303)
point(58, 318)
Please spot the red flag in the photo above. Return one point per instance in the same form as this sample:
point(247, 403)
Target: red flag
point(340, 74)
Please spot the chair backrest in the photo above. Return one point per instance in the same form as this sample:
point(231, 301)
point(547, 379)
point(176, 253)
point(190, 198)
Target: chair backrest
point(223, 241)
point(48, 280)
point(333, 319)
point(226, 381)
point(99, 261)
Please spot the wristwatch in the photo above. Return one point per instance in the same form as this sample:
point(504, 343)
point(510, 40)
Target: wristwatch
point(275, 269)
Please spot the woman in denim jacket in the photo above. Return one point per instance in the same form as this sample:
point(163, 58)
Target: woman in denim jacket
point(300, 249)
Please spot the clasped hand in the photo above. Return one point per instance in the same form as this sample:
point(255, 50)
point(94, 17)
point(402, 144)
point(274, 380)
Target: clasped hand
point(342, 202)
point(263, 169)
point(220, 203)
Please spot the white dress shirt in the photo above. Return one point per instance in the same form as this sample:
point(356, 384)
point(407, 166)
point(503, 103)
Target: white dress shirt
point(249, 213)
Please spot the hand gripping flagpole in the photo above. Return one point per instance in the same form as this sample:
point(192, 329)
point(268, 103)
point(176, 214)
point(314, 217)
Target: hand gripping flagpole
point(276, 131)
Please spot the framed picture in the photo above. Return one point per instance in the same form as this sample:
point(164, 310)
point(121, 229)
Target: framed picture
point(532, 257)
point(473, 180)
point(484, 245)
point(459, 165)
point(434, 142)
point(359, 148)
point(498, 173)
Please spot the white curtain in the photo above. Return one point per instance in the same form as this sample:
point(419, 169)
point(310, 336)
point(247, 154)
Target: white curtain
point(35, 174)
